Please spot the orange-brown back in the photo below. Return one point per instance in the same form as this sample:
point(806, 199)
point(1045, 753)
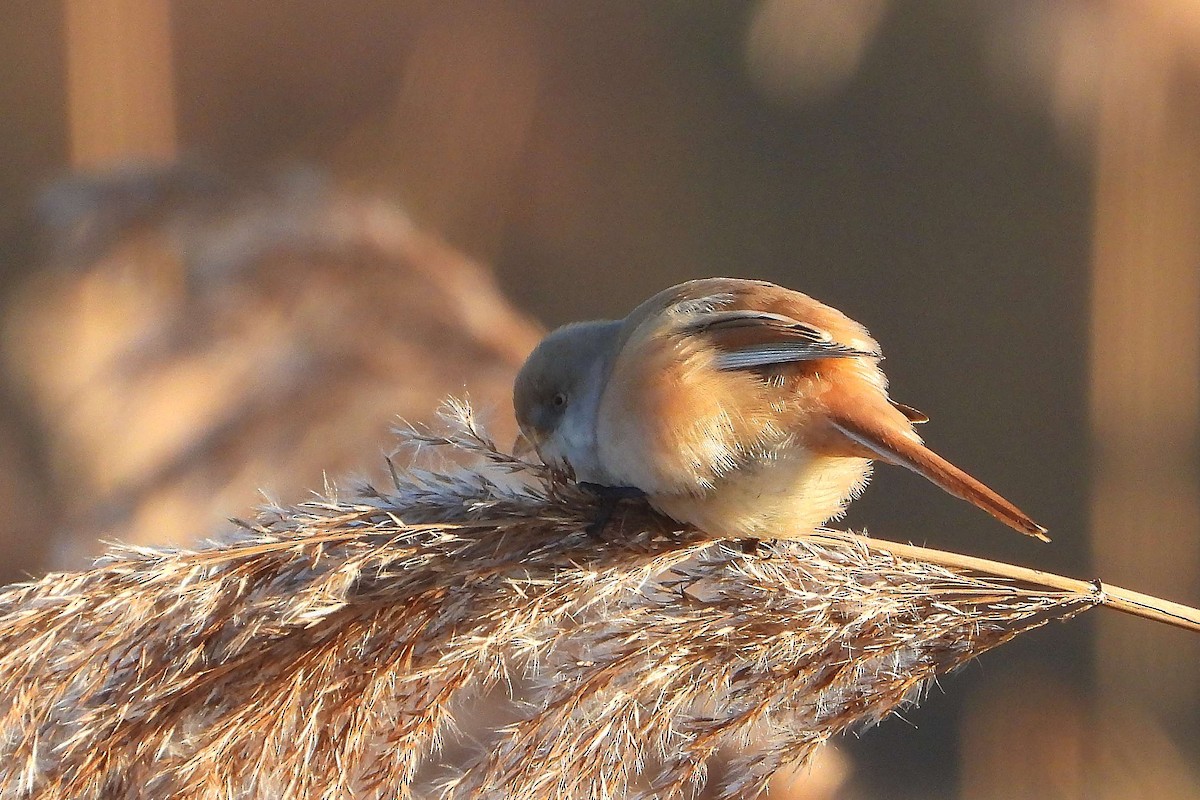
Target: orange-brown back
point(673, 420)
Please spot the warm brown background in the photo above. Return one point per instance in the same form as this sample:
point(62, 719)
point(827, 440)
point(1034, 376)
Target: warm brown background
point(1008, 195)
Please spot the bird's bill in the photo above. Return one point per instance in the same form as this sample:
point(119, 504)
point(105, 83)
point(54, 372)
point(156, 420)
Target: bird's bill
point(523, 447)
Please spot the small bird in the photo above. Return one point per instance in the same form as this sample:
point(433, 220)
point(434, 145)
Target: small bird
point(743, 408)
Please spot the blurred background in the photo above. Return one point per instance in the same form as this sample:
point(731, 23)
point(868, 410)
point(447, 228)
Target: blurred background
point(238, 239)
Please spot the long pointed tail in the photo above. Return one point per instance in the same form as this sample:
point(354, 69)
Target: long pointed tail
point(896, 447)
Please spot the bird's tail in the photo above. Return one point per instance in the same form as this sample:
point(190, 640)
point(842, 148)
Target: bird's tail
point(899, 446)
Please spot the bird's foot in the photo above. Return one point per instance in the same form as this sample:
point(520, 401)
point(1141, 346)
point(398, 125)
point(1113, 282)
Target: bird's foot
point(612, 492)
point(751, 547)
point(610, 497)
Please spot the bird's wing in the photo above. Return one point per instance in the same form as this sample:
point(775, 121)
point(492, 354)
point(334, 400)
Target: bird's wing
point(911, 414)
point(713, 374)
point(749, 339)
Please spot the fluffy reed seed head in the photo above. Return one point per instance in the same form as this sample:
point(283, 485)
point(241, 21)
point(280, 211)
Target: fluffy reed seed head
point(330, 650)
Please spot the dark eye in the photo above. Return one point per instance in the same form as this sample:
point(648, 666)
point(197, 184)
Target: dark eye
point(559, 400)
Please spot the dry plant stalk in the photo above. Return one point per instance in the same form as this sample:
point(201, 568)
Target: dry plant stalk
point(328, 651)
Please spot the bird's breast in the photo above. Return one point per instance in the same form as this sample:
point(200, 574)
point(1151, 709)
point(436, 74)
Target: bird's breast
point(786, 495)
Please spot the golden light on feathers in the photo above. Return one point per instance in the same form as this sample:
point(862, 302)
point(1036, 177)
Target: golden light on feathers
point(741, 407)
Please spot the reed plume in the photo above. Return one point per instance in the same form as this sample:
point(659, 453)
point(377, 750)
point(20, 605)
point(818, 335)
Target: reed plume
point(340, 649)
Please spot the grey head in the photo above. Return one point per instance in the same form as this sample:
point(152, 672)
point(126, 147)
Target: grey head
point(557, 395)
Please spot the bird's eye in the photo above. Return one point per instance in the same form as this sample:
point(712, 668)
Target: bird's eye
point(559, 400)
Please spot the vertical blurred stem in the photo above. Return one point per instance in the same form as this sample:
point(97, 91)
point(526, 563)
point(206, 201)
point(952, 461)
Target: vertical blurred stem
point(1145, 355)
point(119, 81)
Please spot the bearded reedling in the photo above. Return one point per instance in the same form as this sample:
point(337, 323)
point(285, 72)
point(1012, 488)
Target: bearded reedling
point(740, 407)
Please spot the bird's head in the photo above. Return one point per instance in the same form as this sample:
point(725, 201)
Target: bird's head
point(557, 394)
